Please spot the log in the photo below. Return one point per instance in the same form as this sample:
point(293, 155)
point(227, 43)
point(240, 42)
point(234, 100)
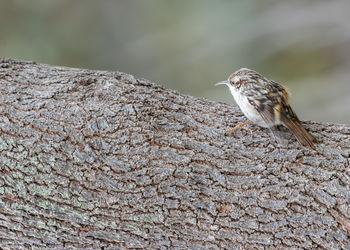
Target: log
point(97, 159)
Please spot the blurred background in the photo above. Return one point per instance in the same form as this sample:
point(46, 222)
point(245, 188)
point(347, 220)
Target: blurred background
point(189, 45)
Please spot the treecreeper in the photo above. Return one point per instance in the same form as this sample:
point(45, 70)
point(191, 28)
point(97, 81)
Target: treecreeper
point(265, 103)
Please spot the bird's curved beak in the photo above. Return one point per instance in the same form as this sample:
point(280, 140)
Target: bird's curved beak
point(221, 83)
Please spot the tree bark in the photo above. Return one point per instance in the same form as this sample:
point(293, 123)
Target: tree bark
point(96, 159)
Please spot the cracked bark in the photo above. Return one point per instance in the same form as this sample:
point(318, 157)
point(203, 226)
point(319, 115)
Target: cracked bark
point(95, 159)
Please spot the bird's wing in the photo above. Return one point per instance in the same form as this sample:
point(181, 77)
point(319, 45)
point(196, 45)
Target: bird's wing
point(270, 101)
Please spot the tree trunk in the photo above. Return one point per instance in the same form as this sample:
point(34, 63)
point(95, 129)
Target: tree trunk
point(96, 159)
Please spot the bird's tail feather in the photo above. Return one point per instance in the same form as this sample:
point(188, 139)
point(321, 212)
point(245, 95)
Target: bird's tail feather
point(304, 137)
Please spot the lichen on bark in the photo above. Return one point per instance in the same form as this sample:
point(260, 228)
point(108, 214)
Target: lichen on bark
point(94, 159)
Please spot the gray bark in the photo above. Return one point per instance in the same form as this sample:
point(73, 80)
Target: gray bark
point(94, 159)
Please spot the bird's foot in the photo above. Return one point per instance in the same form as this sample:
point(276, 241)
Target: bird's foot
point(238, 127)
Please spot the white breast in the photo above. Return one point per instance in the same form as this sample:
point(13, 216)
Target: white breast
point(248, 110)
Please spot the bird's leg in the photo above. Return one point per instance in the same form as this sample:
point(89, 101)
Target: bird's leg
point(238, 126)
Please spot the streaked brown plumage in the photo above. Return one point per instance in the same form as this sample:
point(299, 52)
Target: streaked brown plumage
point(265, 103)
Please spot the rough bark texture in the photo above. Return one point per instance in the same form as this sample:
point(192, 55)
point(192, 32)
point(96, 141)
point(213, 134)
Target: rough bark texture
point(94, 159)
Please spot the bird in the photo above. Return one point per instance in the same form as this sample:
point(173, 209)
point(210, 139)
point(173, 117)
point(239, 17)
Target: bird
point(265, 103)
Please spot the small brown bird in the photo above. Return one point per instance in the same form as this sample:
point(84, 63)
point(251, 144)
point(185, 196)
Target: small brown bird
point(265, 103)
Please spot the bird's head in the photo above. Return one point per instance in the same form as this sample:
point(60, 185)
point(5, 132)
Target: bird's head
point(241, 75)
